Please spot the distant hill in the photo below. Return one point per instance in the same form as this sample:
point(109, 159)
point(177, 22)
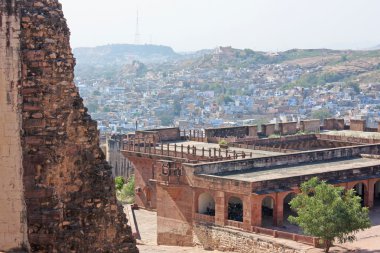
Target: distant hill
point(121, 54)
point(319, 66)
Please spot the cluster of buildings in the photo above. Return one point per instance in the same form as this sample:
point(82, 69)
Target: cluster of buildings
point(225, 197)
point(215, 90)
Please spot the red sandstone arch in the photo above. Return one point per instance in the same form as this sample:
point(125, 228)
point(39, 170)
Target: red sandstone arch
point(376, 193)
point(235, 209)
point(286, 206)
point(361, 190)
point(268, 209)
point(206, 204)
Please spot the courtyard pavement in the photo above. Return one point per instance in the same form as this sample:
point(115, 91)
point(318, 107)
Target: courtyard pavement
point(147, 222)
point(368, 240)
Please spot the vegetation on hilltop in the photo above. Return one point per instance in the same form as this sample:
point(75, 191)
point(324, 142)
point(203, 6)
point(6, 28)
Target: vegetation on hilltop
point(319, 66)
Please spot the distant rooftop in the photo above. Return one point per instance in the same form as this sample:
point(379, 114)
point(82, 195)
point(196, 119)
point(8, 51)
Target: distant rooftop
point(299, 170)
point(356, 134)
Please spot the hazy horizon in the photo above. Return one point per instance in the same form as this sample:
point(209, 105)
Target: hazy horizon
point(271, 25)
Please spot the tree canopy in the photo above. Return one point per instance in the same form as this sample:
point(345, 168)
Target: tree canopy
point(329, 213)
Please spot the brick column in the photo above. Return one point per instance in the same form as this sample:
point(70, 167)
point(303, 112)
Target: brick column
point(220, 208)
point(247, 212)
point(371, 192)
point(195, 202)
point(277, 213)
point(278, 210)
point(256, 216)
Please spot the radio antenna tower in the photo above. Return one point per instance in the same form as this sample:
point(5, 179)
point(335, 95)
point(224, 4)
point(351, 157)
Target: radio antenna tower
point(137, 33)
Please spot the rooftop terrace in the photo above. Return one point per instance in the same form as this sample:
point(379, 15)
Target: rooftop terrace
point(280, 172)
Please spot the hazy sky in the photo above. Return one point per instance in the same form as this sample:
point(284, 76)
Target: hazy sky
point(189, 25)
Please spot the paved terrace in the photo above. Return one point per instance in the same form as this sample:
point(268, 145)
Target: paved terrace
point(354, 134)
point(212, 146)
point(182, 149)
point(300, 170)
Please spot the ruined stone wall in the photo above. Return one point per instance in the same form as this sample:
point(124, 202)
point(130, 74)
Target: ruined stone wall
point(12, 207)
point(69, 191)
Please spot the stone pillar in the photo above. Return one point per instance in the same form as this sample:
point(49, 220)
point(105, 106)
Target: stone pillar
point(195, 201)
point(247, 212)
point(278, 211)
point(371, 192)
point(256, 216)
point(220, 208)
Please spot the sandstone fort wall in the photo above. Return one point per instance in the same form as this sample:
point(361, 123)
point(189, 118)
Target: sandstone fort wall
point(51, 160)
point(12, 207)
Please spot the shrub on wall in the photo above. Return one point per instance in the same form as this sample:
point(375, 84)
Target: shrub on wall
point(127, 193)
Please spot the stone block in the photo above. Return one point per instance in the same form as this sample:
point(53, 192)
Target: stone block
point(333, 124)
point(268, 129)
point(312, 126)
point(288, 128)
point(357, 125)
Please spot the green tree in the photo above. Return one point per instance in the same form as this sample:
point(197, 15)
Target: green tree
point(344, 58)
point(127, 193)
point(354, 86)
point(119, 183)
point(329, 213)
point(321, 114)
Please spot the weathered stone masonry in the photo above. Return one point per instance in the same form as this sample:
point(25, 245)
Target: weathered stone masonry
point(12, 206)
point(68, 188)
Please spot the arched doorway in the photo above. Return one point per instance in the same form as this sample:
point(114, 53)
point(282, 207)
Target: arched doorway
point(376, 192)
point(206, 204)
point(235, 209)
point(267, 209)
point(287, 209)
point(360, 191)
